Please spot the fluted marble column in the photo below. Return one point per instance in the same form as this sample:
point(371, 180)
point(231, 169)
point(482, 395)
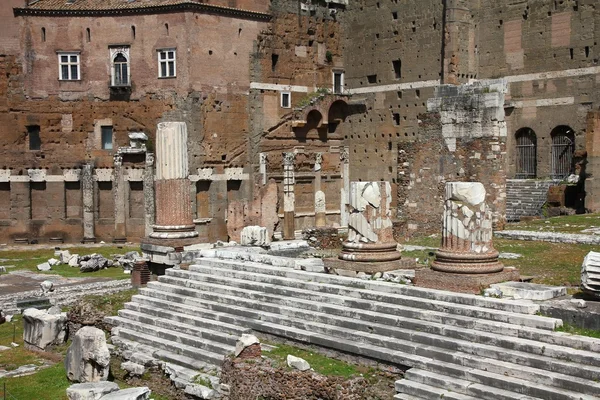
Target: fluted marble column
point(173, 207)
point(467, 232)
point(370, 234)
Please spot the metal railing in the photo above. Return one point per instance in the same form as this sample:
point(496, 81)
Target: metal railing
point(526, 155)
point(563, 148)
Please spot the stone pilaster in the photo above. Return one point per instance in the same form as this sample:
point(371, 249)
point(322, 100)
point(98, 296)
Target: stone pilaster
point(87, 190)
point(467, 232)
point(119, 188)
point(262, 168)
point(174, 218)
point(345, 190)
point(289, 200)
point(149, 210)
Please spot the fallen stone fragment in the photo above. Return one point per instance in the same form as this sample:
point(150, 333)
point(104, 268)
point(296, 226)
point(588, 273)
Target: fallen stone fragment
point(64, 256)
point(74, 260)
point(590, 270)
point(47, 286)
point(95, 263)
point(297, 363)
point(200, 391)
point(133, 368)
point(91, 390)
point(139, 393)
point(41, 329)
point(255, 236)
point(244, 341)
point(88, 357)
point(53, 261)
point(44, 267)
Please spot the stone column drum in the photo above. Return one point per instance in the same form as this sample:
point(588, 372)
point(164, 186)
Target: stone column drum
point(467, 232)
point(172, 187)
point(370, 236)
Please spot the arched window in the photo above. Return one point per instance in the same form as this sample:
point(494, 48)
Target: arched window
point(120, 70)
point(526, 157)
point(563, 147)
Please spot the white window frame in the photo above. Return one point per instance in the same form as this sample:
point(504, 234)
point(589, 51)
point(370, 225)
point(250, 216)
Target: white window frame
point(114, 51)
point(341, 73)
point(166, 61)
point(69, 64)
point(289, 97)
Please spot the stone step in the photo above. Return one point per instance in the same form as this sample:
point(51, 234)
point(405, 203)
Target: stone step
point(386, 287)
point(339, 294)
point(344, 307)
point(404, 396)
point(459, 386)
point(189, 363)
point(170, 341)
point(487, 332)
point(151, 318)
point(184, 315)
point(426, 347)
point(427, 392)
point(445, 336)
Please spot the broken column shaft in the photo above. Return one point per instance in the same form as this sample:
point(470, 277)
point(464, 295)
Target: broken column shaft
point(467, 232)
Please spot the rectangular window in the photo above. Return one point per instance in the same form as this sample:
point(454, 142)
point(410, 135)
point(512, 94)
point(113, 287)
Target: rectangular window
point(397, 65)
point(35, 143)
point(338, 82)
point(166, 63)
point(68, 66)
point(107, 137)
point(286, 99)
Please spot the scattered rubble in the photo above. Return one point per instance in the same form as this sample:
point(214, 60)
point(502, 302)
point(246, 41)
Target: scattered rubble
point(91, 262)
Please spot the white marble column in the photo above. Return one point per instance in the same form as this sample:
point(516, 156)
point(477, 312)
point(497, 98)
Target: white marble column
point(345, 190)
point(466, 232)
point(174, 218)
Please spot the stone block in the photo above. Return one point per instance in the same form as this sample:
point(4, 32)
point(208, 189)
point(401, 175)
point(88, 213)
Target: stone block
point(139, 393)
point(42, 329)
point(590, 271)
point(88, 357)
point(297, 363)
point(244, 341)
point(91, 390)
point(255, 236)
point(44, 267)
point(133, 368)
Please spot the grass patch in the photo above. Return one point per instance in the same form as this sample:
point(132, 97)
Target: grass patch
point(48, 384)
point(320, 363)
point(111, 303)
point(29, 259)
point(578, 331)
point(565, 224)
point(550, 263)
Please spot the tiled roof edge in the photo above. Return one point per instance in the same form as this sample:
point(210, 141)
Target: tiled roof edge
point(189, 6)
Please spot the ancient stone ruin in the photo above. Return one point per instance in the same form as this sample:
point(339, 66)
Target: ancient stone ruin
point(370, 236)
point(466, 232)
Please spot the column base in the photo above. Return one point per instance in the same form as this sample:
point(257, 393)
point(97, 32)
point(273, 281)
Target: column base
point(370, 252)
point(174, 232)
point(89, 240)
point(466, 263)
point(320, 219)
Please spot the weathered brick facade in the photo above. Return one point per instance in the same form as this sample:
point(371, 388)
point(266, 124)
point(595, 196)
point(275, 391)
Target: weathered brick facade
point(242, 69)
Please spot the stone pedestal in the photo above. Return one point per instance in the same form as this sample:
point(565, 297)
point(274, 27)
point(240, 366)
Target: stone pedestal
point(370, 236)
point(172, 192)
point(467, 232)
